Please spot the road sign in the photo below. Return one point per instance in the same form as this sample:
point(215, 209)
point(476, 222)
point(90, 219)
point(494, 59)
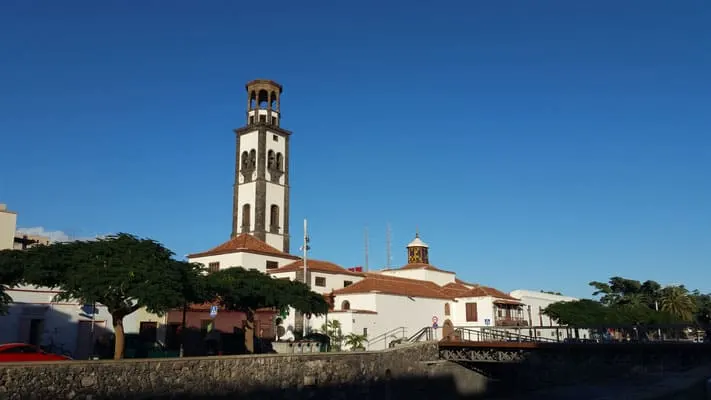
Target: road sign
point(213, 311)
point(434, 325)
point(435, 319)
point(487, 322)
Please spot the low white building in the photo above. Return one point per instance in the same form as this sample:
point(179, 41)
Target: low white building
point(65, 327)
point(392, 303)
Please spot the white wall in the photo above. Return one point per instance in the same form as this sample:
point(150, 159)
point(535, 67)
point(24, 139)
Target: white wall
point(242, 259)
point(247, 142)
point(262, 111)
point(422, 274)
point(8, 224)
point(538, 301)
point(278, 146)
point(485, 310)
point(333, 281)
point(61, 319)
point(392, 312)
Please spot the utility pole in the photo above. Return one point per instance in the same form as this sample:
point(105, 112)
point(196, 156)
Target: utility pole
point(305, 248)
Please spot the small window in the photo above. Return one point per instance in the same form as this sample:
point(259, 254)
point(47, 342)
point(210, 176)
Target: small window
point(275, 121)
point(345, 305)
point(446, 309)
point(365, 332)
point(251, 119)
point(275, 138)
point(213, 267)
point(347, 283)
point(320, 281)
point(263, 118)
point(272, 265)
point(472, 314)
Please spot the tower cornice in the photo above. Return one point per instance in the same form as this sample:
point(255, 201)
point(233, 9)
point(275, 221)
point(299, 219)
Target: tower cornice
point(257, 127)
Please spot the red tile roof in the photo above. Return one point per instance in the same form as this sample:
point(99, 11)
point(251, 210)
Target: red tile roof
point(244, 243)
point(484, 291)
point(315, 265)
point(464, 283)
point(387, 284)
point(454, 289)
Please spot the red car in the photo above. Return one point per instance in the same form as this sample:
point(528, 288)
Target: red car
point(20, 352)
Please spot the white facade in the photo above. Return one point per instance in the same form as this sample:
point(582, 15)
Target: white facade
point(8, 224)
point(423, 274)
point(259, 262)
point(35, 317)
point(538, 301)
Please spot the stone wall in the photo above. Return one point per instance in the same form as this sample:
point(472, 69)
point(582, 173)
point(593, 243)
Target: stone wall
point(274, 376)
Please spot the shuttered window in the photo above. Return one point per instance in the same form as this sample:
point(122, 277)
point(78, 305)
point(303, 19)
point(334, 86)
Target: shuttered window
point(472, 314)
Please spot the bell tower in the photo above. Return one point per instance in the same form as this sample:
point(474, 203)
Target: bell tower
point(417, 251)
point(261, 187)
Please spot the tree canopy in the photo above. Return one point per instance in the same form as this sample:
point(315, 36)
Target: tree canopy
point(122, 272)
point(11, 273)
point(244, 290)
point(627, 301)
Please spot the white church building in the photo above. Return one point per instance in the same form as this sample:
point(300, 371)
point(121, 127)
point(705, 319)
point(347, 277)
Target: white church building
point(383, 304)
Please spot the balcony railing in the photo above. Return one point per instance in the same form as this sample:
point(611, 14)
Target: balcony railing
point(510, 321)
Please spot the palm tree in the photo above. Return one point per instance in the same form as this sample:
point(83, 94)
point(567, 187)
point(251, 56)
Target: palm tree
point(355, 341)
point(676, 301)
point(332, 329)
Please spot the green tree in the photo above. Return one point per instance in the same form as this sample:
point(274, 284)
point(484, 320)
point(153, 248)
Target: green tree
point(11, 272)
point(332, 329)
point(676, 301)
point(122, 272)
point(578, 313)
point(244, 290)
point(355, 341)
point(703, 307)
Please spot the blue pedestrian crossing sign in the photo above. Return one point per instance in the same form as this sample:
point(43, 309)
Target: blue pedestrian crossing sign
point(213, 311)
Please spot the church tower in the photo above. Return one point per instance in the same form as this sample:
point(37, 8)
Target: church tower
point(417, 251)
point(261, 188)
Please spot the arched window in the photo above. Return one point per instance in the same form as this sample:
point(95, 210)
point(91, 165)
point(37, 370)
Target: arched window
point(245, 160)
point(263, 99)
point(446, 309)
point(246, 217)
point(279, 162)
point(253, 158)
point(273, 102)
point(345, 305)
point(274, 218)
point(271, 160)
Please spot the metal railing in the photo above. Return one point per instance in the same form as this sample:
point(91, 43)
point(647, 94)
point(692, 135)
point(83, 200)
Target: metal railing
point(393, 334)
point(425, 333)
point(496, 335)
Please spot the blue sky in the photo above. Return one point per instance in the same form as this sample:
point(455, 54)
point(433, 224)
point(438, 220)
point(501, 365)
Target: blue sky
point(534, 144)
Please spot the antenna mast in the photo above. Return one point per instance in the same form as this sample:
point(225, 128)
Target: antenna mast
point(388, 247)
point(366, 249)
